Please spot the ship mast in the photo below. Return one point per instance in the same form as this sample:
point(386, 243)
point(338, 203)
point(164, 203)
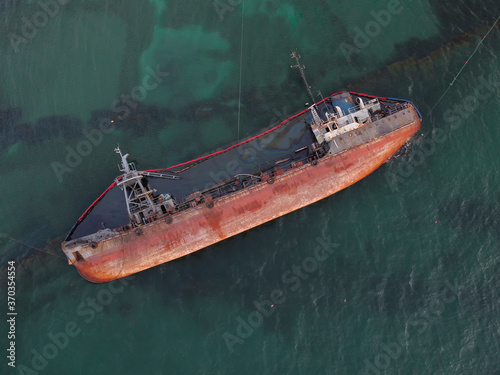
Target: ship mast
point(297, 57)
point(138, 198)
point(316, 118)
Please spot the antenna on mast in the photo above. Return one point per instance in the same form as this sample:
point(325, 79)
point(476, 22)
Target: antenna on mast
point(125, 164)
point(297, 57)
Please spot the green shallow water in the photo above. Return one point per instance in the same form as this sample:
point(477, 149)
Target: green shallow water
point(411, 285)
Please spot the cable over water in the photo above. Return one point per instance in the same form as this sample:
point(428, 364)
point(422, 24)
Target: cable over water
point(241, 67)
point(465, 64)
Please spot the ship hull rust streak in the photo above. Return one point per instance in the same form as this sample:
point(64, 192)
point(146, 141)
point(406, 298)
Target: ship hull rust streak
point(160, 242)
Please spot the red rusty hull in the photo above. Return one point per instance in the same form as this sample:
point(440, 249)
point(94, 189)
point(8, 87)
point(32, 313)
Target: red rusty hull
point(200, 227)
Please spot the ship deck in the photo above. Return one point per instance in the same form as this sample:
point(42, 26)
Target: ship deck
point(278, 147)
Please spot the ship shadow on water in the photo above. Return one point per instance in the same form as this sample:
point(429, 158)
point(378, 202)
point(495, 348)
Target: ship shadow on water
point(239, 272)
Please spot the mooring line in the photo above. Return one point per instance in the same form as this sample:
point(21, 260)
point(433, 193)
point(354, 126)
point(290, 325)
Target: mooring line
point(3, 235)
point(465, 64)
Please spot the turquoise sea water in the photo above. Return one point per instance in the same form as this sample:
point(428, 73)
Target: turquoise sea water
point(409, 283)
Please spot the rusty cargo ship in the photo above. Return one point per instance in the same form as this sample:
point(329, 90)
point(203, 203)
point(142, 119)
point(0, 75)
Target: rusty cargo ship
point(146, 218)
